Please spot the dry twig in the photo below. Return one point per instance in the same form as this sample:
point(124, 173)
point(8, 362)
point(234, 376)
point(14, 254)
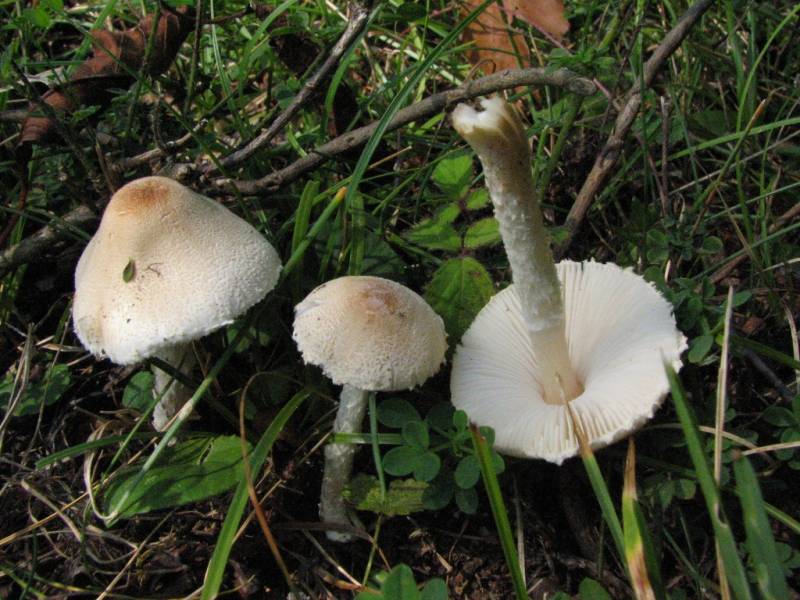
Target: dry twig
point(155, 153)
point(31, 248)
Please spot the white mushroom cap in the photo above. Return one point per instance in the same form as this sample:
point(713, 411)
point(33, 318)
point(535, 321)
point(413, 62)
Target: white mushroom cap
point(192, 266)
point(370, 333)
point(620, 331)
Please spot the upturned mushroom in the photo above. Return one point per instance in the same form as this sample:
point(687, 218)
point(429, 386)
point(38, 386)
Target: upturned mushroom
point(368, 334)
point(166, 267)
point(589, 335)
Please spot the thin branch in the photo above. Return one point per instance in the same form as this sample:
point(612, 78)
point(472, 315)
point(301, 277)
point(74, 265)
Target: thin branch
point(506, 79)
point(150, 155)
point(14, 115)
point(770, 375)
point(356, 24)
point(35, 246)
point(608, 156)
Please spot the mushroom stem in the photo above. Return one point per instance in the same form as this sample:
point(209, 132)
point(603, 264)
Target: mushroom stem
point(498, 137)
point(172, 393)
point(339, 461)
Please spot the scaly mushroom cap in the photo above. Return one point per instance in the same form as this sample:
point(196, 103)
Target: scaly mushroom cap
point(371, 333)
point(165, 267)
point(620, 331)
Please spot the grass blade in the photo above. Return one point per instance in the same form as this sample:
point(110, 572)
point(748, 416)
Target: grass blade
point(498, 511)
point(766, 351)
point(376, 451)
point(251, 492)
point(302, 215)
point(599, 486)
point(759, 539)
point(302, 221)
point(358, 224)
point(85, 447)
point(774, 512)
point(734, 570)
point(308, 238)
point(225, 540)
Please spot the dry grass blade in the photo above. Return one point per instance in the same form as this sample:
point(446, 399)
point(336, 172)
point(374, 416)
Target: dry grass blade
point(20, 382)
point(133, 558)
point(638, 548)
point(251, 490)
point(33, 491)
point(795, 343)
point(719, 427)
point(772, 448)
point(18, 535)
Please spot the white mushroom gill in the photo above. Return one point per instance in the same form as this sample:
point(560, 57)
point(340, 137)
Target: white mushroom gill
point(497, 136)
point(619, 330)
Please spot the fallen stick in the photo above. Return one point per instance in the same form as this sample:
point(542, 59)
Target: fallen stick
point(31, 248)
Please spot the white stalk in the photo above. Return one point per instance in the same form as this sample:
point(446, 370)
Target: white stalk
point(172, 393)
point(498, 137)
point(339, 461)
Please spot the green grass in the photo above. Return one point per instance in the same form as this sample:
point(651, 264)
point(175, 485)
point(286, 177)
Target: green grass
point(402, 207)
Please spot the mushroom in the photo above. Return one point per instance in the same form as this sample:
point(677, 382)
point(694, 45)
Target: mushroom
point(368, 334)
point(166, 267)
point(587, 337)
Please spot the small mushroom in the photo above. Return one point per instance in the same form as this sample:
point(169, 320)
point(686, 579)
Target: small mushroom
point(166, 267)
point(589, 335)
point(367, 334)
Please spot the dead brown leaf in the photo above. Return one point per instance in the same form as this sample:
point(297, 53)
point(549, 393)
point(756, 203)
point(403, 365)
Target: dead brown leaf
point(496, 45)
point(117, 54)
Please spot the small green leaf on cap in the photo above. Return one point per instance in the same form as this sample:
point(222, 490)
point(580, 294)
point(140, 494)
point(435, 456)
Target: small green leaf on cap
point(129, 272)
